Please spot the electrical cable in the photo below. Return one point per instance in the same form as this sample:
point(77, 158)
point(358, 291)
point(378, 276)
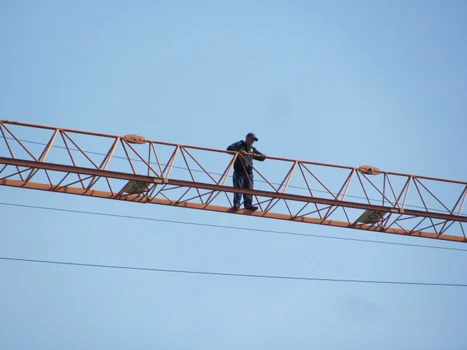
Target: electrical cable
point(239, 228)
point(227, 274)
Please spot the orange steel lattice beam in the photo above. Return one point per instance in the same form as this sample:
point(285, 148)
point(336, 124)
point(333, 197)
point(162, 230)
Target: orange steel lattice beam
point(132, 168)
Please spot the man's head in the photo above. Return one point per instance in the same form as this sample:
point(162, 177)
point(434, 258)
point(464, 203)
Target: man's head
point(250, 139)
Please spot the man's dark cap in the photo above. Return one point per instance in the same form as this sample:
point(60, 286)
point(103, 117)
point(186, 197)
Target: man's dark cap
point(252, 135)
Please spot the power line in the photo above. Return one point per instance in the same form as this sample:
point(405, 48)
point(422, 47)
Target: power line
point(227, 274)
point(213, 173)
point(238, 228)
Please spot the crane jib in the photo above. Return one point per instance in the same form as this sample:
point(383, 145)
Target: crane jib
point(133, 168)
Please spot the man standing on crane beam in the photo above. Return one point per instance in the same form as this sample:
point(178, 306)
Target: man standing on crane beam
point(243, 169)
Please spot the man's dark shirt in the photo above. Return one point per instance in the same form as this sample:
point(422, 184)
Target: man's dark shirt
point(245, 162)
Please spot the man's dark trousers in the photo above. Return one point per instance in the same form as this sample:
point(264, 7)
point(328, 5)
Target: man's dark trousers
point(243, 180)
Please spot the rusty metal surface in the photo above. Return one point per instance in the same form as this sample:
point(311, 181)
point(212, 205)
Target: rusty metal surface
point(111, 166)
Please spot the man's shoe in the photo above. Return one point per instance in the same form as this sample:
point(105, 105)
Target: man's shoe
point(236, 207)
point(251, 207)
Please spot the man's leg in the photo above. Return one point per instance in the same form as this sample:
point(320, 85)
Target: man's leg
point(237, 183)
point(248, 199)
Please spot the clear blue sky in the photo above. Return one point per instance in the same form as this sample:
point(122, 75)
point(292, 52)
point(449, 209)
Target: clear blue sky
point(350, 82)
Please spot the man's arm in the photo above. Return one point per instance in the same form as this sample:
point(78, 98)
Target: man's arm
point(257, 155)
